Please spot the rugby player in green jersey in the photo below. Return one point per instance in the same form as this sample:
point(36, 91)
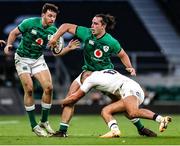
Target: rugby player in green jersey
point(29, 61)
point(99, 46)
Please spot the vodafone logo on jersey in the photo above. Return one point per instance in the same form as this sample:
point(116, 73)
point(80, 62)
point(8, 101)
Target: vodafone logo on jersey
point(98, 53)
point(39, 41)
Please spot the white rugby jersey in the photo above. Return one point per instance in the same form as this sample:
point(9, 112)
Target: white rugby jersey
point(106, 80)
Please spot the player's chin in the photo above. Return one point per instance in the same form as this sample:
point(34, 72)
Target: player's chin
point(50, 23)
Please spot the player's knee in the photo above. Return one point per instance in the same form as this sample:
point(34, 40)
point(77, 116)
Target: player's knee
point(132, 114)
point(28, 90)
point(105, 111)
point(49, 88)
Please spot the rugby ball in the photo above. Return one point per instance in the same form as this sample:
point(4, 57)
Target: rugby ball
point(60, 45)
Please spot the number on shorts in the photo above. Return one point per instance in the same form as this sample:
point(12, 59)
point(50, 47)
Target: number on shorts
point(110, 71)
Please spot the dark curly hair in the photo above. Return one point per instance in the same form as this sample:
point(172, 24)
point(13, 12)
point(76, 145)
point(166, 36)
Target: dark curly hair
point(108, 20)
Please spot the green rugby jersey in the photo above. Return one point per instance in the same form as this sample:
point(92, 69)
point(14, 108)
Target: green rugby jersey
point(34, 37)
point(97, 52)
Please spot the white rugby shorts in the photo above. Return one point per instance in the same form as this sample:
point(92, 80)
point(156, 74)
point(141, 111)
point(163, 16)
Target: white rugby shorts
point(28, 65)
point(131, 88)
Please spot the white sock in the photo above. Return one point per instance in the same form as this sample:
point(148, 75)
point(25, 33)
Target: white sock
point(64, 124)
point(45, 105)
point(30, 108)
point(134, 120)
point(113, 125)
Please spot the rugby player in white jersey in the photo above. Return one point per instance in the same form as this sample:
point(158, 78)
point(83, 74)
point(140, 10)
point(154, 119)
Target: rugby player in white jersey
point(130, 93)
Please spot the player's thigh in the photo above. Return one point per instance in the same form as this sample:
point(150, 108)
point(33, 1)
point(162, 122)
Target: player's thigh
point(26, 81)
point(131, 103)
point(115, 107)
point(73, 87)
point(44, 78)
point(132, 95)
point(41, 72)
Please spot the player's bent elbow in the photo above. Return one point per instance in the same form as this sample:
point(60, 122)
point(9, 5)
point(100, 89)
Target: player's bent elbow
point(66, 26)
point(15, 32)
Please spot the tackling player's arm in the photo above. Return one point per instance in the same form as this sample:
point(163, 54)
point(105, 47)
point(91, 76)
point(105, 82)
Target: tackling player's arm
point(73, 98)
point(126, 61)
point(66, 27)
point(11, 38)
point(87, 84)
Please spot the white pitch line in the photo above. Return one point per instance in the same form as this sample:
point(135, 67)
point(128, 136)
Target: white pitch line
point(8, 122)
point(82, 135)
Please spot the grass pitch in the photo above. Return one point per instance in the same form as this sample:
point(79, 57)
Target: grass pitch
point(84, 130)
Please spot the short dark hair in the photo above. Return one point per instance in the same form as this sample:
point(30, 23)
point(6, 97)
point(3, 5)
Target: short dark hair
point(48, 6)
point(108, 20)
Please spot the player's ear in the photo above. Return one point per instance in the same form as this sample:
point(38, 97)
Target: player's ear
point(104, 25)
point(42, 14)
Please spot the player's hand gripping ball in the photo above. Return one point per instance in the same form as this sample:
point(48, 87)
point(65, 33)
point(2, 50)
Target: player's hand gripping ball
point(59, 46)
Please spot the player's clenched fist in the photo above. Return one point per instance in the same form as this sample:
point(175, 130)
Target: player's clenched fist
point(2, 42)
point(7, 49)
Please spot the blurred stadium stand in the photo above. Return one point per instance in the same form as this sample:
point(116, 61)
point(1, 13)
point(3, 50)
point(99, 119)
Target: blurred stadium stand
point(171, 9)
point(147, 29)
point(10, 101)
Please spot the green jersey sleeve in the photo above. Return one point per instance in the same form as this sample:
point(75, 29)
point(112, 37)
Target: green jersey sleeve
point(83, 33)
point(23, 25)
point(117, 47)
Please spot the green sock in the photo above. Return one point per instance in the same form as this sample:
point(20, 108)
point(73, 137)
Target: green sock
point(138, 124)
point(32, 118)
point(63, 127)
point(44, 113)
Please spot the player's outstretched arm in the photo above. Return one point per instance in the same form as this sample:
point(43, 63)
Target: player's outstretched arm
point(73, 98)
point(66, 27)
point(127, 63)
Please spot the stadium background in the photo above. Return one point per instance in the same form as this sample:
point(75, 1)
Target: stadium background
point(149, 30)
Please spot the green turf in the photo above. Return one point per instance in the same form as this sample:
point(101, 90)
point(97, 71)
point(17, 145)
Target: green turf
point(84, 130)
